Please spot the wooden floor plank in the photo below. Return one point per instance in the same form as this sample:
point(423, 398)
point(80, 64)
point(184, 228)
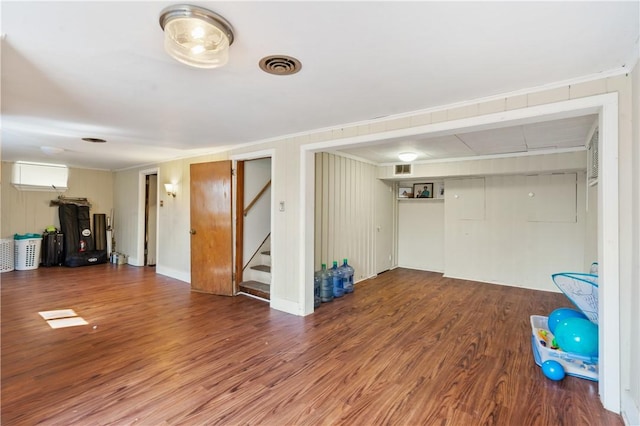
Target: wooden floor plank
point(406, 348)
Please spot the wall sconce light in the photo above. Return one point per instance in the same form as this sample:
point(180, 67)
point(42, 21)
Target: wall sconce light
point(171, 189)
point(196, 36)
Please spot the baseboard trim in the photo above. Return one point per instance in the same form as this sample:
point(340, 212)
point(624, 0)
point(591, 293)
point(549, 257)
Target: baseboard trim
point(630, 412)
point(286, 306)
point(174, 273)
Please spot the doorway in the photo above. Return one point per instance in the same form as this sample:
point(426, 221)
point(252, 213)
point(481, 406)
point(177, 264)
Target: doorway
point(253, 227)
point(146, 250)
point(150, 219)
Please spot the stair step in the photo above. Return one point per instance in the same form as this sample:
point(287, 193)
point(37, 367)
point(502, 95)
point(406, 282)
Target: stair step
point(263, 268)
point(256, 288)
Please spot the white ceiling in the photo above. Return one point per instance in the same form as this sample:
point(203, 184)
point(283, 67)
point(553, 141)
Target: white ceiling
point(98, 69)
point(545, 136)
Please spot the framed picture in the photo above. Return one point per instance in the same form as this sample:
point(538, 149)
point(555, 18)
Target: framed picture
point(440, 190)
point(423, 190)
point(405, 192)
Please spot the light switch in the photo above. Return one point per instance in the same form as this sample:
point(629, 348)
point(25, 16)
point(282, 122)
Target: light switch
point(281, 206)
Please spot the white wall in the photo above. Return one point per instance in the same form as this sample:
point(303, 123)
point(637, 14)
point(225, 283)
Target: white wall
point(591, 227)
point(30, 211)
point(516, 239)
point(257, 223)
point(630, 292)
point(385, 222)
point(421, 234)
point(545, 163)
point(489, 229)
point(173, 238)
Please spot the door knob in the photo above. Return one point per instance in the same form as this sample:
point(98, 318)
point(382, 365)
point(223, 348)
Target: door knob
point(192, 231)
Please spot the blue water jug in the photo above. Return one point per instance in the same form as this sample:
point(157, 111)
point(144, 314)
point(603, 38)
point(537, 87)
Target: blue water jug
point(347, 276)
point(317, 280)
point(326, 285)
point(336, 275)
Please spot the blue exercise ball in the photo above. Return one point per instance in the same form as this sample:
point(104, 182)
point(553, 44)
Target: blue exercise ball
point(553, 370)
point(561, 314)
point(578, 336)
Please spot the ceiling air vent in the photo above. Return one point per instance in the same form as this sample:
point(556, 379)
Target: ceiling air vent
point(280, 65)
point(402, 170)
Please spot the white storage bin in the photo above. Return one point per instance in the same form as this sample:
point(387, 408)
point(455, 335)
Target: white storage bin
point(6, 255)
point(27, 253)
point(573, 364)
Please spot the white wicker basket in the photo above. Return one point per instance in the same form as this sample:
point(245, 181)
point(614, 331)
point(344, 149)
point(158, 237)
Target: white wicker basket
point(6, 255)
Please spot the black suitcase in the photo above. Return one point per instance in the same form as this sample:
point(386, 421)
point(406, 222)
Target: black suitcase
point(52, 249)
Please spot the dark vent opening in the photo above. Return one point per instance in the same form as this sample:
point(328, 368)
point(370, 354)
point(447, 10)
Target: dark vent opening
point(280, 65)
point(402, 169)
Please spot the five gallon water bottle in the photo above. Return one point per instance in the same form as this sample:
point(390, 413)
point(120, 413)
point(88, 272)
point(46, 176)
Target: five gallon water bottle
point(326, 284)
point(336, 275)
point(347, 276)
point(316, 289)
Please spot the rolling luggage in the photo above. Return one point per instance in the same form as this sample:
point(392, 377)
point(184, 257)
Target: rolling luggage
point(52, 248)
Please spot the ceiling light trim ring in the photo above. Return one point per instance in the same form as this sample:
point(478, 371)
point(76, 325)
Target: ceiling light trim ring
point(189, 11)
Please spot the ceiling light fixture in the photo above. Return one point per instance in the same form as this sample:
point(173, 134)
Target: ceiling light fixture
point(51, 150)
point(196, 36)
point(407, 156)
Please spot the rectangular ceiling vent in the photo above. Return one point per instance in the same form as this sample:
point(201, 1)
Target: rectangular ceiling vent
point(593, 156)
point(402, 170)
point(39, 176)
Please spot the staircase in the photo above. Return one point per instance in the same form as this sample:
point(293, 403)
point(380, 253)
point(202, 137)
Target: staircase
point(257, 274)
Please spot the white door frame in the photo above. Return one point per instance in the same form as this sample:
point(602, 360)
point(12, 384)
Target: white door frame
point(606, 106)
point(275, 270)
point(142, 175)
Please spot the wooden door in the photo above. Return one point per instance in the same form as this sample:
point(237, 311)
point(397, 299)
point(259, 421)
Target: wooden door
point(211, 232)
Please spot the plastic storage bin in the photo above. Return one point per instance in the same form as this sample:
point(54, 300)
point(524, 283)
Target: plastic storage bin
point(6, 255)
point(573, 364)
point(27, 251)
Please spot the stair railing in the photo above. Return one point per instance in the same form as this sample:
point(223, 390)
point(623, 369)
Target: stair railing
point(258, 250)
point(257, 197)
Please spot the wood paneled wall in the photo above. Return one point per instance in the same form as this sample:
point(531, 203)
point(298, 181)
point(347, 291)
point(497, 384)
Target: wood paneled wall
point(345, 200)
point(30, 211)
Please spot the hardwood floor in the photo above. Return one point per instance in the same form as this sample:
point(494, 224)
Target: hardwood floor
point(406, 348)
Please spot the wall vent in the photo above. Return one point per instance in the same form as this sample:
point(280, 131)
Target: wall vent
point(39, 176)
point(402, 170)
point(593, 151)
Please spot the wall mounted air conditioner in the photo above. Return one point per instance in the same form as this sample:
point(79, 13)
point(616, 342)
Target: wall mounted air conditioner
point(39, 176)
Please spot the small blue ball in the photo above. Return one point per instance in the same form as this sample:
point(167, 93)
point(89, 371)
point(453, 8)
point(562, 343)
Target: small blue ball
point(553, 370)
